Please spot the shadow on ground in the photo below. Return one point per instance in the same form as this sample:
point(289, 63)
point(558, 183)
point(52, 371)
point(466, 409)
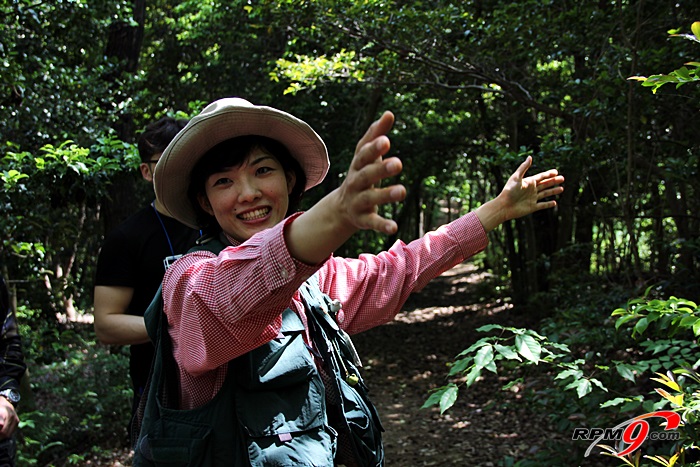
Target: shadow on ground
point(406, 358)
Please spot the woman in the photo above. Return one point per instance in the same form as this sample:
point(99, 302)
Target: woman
point(238, 170)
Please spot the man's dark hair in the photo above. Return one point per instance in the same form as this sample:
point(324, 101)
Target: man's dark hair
point(157, 135)
point(232, 153)
point(4, 300)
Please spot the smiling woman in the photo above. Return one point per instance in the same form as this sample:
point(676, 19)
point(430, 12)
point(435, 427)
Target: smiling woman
point(245, 185)
point(258, 317)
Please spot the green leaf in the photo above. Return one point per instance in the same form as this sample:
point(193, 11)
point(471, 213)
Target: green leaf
point(559, 346)
point(528, 347)
point(489, 327)
point(448, 398)
point(507, 352)
point(683, 74)
point(435, 397)
point(653, 316)
point(695, 27)
point(641, 325)
point(613, 402)
point(626, 372)
point(599, 384)
point(484, 356)
point(652, 405)
point(512, 383)
point(685, 302)
point(473, 375)
point(534, 334)
point(460, 365)
point(624, 319)
point(689, 321)
point(576, 374)
point(476, 345)
point(582, 386)
point(492, 367)
point(631, 405)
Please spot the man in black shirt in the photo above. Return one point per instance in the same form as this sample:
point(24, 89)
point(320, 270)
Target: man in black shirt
point(131, 266)
point(12, 368)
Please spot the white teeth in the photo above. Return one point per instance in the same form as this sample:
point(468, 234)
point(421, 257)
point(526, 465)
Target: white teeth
point(252, 215)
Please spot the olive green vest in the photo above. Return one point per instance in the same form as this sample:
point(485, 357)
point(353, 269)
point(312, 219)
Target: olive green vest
point(273, 408)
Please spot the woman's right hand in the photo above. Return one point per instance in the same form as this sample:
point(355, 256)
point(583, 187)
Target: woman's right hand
point(359, 196)
point(353, 206)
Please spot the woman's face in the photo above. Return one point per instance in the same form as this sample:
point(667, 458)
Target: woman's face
point(249, 198)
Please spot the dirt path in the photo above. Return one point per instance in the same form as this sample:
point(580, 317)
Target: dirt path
point(406, 358)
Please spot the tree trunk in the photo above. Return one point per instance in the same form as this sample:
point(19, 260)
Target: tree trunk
point(124, 45)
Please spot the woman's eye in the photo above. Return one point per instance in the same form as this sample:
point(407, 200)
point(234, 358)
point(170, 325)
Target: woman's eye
point(221, 181)
point(264, 170)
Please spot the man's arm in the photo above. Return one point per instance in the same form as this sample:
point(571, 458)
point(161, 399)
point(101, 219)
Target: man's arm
point(12, 366)
point(112, 325)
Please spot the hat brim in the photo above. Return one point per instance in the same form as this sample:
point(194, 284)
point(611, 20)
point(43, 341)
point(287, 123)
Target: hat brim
point(220, 121)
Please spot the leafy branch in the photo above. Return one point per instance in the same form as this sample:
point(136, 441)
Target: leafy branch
point(514, 344)
point(672, 315)
point(685, 74)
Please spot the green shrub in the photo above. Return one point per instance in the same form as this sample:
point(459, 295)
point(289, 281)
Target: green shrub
point(80, 395)
point(589, 368)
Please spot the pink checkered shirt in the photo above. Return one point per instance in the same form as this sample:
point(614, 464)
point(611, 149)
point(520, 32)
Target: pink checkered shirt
point(220, 307)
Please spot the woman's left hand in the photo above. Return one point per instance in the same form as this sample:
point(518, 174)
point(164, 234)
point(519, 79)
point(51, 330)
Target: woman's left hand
point(523, 195)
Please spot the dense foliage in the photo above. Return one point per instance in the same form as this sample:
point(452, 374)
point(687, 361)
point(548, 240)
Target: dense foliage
point(475, 85)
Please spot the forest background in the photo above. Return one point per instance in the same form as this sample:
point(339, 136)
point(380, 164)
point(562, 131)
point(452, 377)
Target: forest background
point(477, 85)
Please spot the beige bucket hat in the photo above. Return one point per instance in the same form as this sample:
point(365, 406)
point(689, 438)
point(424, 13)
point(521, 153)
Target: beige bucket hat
point(222, 120)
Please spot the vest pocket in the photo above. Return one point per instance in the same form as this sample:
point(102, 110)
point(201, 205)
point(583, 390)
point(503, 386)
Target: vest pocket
point(282, 362)
point(175, 443)
point(312, 448)
point(287, 427)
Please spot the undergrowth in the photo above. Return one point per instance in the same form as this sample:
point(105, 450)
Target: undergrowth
point(77, 409)
point(601, 355)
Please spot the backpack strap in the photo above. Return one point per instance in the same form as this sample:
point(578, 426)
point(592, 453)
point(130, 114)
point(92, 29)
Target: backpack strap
point(325, 314)
point(351, 411)
point(153, 316)
point(166, 387)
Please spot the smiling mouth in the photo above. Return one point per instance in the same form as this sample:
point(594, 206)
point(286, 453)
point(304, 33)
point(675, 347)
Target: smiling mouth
point(254, 215)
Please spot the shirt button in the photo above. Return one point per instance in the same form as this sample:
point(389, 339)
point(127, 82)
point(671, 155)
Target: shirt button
point(284, 274)
point(340, 316)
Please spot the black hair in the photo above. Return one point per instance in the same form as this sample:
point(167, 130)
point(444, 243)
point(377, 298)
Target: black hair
point(232, 153)
point(157, 135)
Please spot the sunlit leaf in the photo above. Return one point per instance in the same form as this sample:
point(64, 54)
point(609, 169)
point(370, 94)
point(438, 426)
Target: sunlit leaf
point(695, 27)
point(666, 381)
point(484, 356)
point(677, 399)
point(528, 347)
point(507, 352)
